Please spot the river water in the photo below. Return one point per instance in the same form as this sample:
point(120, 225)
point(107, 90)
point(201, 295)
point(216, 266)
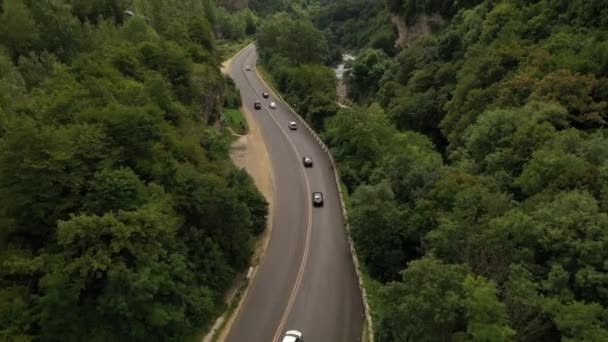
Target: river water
point(339, 70)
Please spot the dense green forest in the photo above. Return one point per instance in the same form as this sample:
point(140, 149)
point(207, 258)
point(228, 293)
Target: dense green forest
point(122, 217)
point(476, 160)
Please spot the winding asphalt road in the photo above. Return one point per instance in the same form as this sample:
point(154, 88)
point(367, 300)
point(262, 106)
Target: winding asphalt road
point(306, 280)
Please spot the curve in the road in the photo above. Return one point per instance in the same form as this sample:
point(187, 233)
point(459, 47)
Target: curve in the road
point(306, 280)
point(308, 227)
point(267, 298)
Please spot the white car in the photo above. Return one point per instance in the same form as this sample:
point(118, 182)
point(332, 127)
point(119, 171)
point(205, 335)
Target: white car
point(247, 67)
point(293, 126)
point(307, 161)
point(317, 199)
point(273, 105)
point(293, 336)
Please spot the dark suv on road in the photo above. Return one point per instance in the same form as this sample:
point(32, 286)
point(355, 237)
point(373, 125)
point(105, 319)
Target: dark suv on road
point(257, 104)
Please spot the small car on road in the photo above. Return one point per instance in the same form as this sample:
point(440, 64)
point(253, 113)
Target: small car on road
point(293, 126)
point(317, 199)
point(293, 336)
point(247, 67)
point(265, 95)
point(273, 105)
point(257, 104)
point(307, 161)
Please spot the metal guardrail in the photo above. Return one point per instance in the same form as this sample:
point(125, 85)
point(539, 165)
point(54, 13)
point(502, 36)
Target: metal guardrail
point(353, 251)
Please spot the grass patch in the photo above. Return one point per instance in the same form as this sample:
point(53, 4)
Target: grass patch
point(235, 120)
point(228, 48)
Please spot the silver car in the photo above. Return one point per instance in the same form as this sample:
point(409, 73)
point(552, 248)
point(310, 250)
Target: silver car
point(317, 199)
point(293, 125)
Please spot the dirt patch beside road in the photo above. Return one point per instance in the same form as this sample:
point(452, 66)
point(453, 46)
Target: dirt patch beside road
point(250, 153)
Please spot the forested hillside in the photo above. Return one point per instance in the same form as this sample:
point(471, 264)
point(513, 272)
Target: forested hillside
point(477, 163)
point(121, 215)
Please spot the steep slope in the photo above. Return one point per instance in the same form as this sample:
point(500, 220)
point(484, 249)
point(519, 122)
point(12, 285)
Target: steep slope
point(514, 97)
point(476, 161)
point(121, 215)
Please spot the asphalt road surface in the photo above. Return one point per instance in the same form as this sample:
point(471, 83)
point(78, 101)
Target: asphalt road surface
point(307, 279)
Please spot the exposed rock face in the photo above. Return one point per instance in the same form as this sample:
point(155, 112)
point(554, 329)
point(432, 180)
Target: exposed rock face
point(424, 26)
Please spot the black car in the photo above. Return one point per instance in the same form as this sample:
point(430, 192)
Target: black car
point(317, 199)
point(265, 95)
point(307, 161)
point(257, 104)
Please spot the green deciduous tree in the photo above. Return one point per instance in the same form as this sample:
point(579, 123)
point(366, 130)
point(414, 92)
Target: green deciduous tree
point(502, 141)
point(437, 301)
point(312, 89)
point(121, 214)
point(120, 276)
point(111, 190)
point(486, 315)
point(570, 160)
point(67, 156)
point(242, 183)
point(359, 138)
point(464, 204)
point(295, 39)
point(576, 93)
point(513, 95)
point(380, 233)
point(572, 236)
point(18, 29)
point(364, 76)
point(411, 168)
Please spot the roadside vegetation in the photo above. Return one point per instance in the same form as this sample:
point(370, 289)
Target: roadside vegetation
point(122, 217)
point(476, 161)
point(232, 109)
point(293, 51)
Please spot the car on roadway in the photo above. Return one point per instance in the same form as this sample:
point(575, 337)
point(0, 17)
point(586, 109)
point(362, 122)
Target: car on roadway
point(317, 199)
point(265, 95)
point(257, 104)
point(293, 125)
point(293, 336)
point(247, 67)
point(307, 161)
point(273, 105)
